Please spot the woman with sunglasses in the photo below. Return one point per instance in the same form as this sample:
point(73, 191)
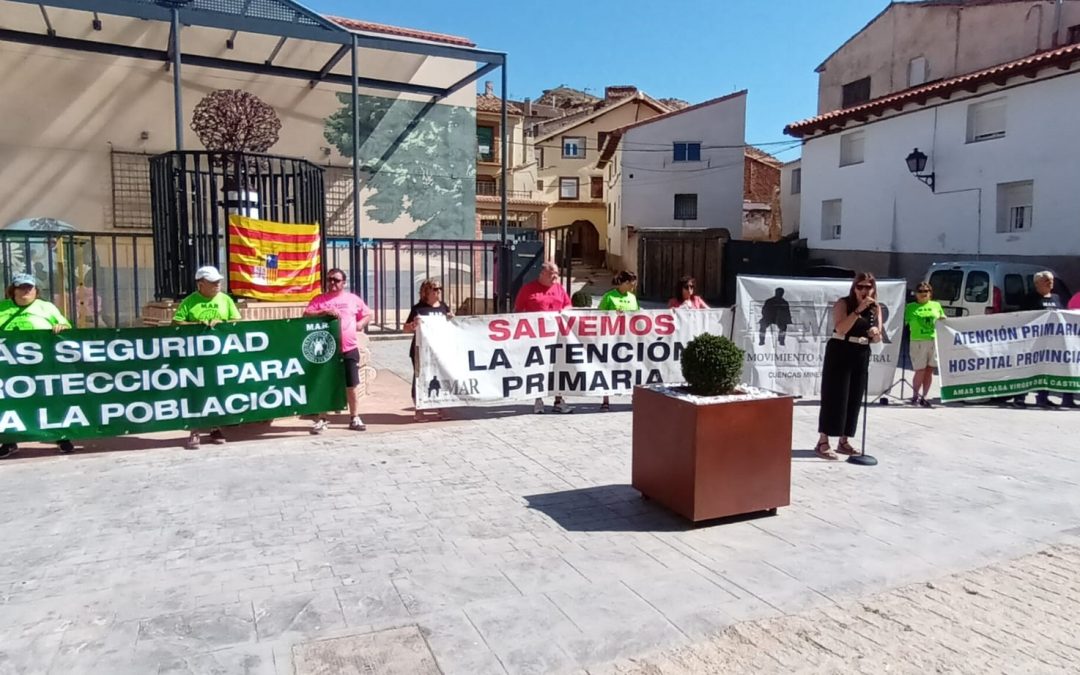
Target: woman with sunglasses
point(686, 296)
point(921, 318)
point(22, 309)
point(431, 303)
point(856, 324)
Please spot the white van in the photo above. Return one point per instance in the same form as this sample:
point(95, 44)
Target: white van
point(967, 288)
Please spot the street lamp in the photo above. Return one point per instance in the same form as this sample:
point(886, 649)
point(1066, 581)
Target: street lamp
point(916, 164)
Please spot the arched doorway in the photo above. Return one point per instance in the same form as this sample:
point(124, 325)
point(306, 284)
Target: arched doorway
point(585, 242)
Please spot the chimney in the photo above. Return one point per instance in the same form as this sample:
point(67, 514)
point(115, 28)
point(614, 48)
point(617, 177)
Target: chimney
point(619, 91)
point(528, 107)
point(489, 88)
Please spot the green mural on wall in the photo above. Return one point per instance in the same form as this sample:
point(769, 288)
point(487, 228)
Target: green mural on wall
point(419, 160)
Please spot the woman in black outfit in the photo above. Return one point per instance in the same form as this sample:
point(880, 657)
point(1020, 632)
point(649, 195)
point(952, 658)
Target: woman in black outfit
point(857, 324)
point(430, 303)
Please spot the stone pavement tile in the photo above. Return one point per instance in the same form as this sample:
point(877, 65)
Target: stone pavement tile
point(770, 584)
point(371, 599)
point(602, 562)
point(257, 659)
point(533, 575)
point(424, 592)
point(306, 615)
point(201, 630)
point(458, 647)
point(31, 650)
point(525, 633)
point(688, 600)
point(96, 648)
point(614, 620)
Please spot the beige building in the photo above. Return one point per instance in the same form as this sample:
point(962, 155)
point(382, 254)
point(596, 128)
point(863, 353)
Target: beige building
point(569, 180)
point(912, 43)
point(525, 209)
point(78, 127)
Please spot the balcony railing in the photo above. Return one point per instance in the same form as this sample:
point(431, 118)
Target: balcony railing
point(489, 189)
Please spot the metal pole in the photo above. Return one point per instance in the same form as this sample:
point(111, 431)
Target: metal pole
point(505, 134)
point(356, 138)
point(178, 107)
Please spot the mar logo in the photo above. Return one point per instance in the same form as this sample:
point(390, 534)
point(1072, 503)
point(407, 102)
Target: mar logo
point(319, 347)
point(459, 388)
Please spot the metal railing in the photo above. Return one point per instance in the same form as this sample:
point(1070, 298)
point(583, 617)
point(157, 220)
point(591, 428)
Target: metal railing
point(491, 189)
point(97, 279)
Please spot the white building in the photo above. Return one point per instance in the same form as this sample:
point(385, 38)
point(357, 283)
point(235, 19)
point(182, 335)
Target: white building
point(680, 170)
point(1003, 159)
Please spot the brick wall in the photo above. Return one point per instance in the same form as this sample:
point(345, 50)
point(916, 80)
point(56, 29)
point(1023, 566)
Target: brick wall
point(760, 180)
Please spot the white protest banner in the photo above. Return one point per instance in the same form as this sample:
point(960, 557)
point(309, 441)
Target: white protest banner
point(484, 359)
point(785, 323)
point(1009, 354)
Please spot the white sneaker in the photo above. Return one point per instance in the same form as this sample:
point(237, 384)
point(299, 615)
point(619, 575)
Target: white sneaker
point(319, 427)
point(562, 408)
point(538, 406)
point(357, 424)
point(193, 441)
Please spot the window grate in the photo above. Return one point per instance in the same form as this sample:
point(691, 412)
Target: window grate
point(131, 191)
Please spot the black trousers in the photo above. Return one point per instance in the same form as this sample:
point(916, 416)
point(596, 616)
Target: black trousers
point(843, 384)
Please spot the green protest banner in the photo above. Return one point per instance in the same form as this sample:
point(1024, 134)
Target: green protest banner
point(105, 382)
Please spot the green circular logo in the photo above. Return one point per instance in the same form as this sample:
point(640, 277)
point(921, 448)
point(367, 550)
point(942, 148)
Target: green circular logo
point(319, 347)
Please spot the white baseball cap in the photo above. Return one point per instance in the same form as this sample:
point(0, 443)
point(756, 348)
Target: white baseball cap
point(208, 273)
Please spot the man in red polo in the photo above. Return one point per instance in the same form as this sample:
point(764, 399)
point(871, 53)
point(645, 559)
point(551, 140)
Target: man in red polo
point(545, 294)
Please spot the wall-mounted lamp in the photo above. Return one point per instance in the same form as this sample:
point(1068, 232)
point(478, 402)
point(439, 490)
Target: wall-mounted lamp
point(144, 135)
point(916, 164)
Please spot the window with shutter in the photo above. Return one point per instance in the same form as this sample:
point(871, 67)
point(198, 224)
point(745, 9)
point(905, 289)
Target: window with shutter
point(986, 120)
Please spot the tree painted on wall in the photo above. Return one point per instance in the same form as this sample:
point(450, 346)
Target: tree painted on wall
point(419, 160)
point(234, 120)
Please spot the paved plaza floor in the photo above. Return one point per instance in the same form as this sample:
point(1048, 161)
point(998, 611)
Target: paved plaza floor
point(507, 542)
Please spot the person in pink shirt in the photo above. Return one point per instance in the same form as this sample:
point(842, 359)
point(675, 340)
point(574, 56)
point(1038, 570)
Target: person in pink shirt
point(545, 294)
point(686, 296)
point(353, 316)
point(1074, 301)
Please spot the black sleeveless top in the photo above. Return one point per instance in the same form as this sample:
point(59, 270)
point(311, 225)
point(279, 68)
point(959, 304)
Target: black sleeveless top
point(867, 319)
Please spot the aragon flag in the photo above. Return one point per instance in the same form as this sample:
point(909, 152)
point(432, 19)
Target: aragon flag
point(273, 261)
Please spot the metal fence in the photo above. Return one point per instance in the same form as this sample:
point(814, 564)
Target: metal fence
point(98, 280)
point(105, 279)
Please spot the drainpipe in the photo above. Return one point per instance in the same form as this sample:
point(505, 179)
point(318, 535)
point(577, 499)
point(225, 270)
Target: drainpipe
point(1057, 24)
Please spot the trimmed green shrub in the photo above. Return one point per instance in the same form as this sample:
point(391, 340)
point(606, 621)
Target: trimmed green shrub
point(581, 299)
point(712, 365)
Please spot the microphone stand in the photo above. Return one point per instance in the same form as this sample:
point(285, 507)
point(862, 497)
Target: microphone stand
point(863, 459)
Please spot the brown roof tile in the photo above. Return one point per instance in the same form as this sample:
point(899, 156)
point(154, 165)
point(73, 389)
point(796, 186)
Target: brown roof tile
point(493, 104)
point(1062, 57)
point(372, 27)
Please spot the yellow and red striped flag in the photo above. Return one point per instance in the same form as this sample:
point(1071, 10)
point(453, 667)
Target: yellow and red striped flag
point(273, 261)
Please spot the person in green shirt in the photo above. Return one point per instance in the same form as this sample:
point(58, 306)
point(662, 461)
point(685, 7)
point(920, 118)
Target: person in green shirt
point(22, 309)
point(208, 306)
point(921, 318)
point(621, 299)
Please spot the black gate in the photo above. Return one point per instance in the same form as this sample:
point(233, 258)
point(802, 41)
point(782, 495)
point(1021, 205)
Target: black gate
point(193, 193)
point(769, 258)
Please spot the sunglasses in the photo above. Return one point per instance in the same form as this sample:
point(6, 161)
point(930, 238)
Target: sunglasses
point(922, 291)
point(865, 287)
point(436, 289)
point(25, 287)
point(688, 285)
point(336, 280)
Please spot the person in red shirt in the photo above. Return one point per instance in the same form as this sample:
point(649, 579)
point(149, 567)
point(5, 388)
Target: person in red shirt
point(545, 294)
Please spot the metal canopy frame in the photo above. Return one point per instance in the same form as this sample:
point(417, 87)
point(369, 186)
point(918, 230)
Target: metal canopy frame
point(284, 19)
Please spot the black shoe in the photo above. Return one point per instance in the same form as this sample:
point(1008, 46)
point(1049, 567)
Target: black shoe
point(1017, 403)
point(216, 437)
point(924, 403)
point(66, 447)
point(1047, 404)
point(8, 449)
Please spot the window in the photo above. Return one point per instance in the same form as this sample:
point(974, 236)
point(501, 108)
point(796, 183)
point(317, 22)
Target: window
point(977, 288)
point(917, 72)
point(986, 120)
point(485, 144)
point(686, 207)
point(568, 188)
point(796, 181)
point(539, 186)
point(1014, 290)
point(851, 148)
point(946, 285)
point(1014, 202)
point(573, 146)
point(540, 157)
point(830, 219)
point(485, 185)
point(596, 187)
point(856, 92)
point(601, 138)
point(1074, 35)
point(687, 152)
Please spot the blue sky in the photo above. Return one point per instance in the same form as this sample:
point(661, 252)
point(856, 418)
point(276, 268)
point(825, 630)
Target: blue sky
point(688, 49)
